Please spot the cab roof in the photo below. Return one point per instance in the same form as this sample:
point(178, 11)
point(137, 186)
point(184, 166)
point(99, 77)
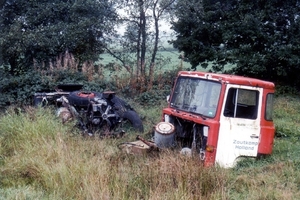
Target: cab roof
point(229, 78)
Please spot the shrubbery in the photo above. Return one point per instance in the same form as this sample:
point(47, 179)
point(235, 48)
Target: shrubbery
point(19, 90)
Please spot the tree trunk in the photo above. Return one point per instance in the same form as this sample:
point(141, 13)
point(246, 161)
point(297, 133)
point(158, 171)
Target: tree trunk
point(155, 48)
point(13, 65)
point(143, 38)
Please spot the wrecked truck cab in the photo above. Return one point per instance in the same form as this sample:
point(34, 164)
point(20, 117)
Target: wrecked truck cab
point(221, 117)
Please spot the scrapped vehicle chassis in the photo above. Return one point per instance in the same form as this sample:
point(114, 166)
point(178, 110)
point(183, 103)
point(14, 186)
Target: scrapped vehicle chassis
point(95, 113)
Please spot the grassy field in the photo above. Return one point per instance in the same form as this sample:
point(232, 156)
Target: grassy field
point(42, 159)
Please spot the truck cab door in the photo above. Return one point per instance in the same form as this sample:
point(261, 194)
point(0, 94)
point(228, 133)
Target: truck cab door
point(239, 133)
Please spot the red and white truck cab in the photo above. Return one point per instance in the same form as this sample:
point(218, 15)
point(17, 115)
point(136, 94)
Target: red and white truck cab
point(221, 117)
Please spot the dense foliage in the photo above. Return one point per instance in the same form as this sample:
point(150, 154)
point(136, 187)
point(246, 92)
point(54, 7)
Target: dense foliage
point(260, 37)
point(19, 90)
point(41, 30)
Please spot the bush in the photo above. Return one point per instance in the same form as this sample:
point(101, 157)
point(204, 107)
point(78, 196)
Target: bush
point(20, 89)
point(286, 90)
point(152, 98)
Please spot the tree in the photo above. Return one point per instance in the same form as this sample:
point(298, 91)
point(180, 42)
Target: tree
point(141, 38)
point(261, 37)
point(43, 29)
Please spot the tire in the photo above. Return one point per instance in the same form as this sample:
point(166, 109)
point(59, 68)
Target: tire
point(134, 119)
point(81, 98)
point(121, 106)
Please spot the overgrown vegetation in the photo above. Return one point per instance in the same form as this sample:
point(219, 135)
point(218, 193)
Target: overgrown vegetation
point(40, 158)
point(43, 159)
point(19, 90)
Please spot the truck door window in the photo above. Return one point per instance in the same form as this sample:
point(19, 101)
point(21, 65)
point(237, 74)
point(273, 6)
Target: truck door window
point(241, 103)
point(199, 96)
point(269, 107)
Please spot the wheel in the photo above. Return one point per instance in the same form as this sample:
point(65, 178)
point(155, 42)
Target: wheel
point(134, 119)
point(81, 98)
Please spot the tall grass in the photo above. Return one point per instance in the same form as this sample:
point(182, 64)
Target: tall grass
point(43, 159)
point(287, 116)
point(38, 152)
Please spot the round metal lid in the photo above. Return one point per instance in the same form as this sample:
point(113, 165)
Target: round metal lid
point(165, 128)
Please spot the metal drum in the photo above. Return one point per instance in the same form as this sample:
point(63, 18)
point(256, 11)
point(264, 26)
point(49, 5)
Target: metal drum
point(164, 135)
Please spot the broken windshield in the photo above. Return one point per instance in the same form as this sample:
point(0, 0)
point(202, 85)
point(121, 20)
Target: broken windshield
point(199, 96)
